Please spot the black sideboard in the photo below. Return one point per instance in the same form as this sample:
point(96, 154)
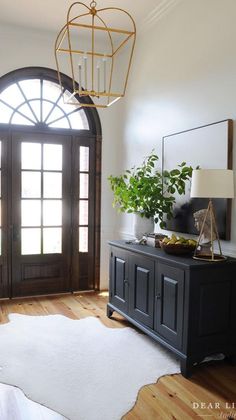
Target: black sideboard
point(186, 305)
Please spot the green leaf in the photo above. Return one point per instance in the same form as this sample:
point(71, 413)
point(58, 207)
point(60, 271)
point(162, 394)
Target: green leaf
point(171, 189)
point(162, 225)
point(175, 172)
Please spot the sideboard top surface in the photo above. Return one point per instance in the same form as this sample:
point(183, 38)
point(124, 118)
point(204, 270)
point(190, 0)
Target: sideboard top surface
point(186, 262)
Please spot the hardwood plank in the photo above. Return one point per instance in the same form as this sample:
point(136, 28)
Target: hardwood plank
point(172, 397)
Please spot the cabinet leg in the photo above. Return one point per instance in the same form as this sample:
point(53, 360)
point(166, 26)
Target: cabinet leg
point(186, 368)
point(109, 312)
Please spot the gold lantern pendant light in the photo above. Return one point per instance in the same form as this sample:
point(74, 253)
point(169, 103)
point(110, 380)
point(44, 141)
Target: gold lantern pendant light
point(96, 52)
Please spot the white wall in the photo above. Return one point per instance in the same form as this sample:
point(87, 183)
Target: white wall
point(20, 47)
point(112, 152)
point(183, 76)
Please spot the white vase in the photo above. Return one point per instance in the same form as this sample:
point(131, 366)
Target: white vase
point(142, 225)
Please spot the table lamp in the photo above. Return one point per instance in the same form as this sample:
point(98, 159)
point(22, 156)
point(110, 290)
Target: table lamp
point(211, 183)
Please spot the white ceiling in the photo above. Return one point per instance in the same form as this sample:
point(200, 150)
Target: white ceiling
point(51, 14)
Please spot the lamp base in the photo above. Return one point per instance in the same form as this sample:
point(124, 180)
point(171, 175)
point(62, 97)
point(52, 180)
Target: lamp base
point(209, 255)
point(215, 258)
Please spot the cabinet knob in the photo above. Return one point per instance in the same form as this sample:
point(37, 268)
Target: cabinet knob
point(158, 296)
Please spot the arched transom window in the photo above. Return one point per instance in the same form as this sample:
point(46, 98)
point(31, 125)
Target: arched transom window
point(40, 102)
point(50, 176)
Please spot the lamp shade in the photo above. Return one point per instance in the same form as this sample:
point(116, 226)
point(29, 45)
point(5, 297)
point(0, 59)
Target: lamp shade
point(212, 183)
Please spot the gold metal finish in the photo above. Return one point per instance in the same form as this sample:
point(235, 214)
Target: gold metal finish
point(101, 28)
point(89, 50)
point(209, 257)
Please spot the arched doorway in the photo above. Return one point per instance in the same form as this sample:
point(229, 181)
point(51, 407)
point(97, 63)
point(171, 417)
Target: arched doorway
point(50, 175)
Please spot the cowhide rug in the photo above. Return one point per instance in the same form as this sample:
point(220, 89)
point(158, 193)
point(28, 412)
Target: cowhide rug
point(79, 368)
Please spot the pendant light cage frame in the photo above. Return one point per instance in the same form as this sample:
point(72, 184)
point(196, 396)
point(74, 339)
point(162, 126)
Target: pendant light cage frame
point(92, 70)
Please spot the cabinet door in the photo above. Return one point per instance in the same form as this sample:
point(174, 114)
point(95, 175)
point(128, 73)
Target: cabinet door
point(169, 290)
point(141, 290)
point(118, 279)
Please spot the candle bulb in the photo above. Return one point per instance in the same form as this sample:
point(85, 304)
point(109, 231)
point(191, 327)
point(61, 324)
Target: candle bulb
point(104, 73)
point(85, 72)
point(98, 76)
point(80, 76)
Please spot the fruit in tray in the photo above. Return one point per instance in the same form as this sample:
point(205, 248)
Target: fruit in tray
point(175, 240)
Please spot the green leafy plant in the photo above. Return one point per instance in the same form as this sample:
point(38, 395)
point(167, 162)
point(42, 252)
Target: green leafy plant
point(148, 191)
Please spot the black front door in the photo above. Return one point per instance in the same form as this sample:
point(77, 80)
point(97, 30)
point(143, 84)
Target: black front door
point(47, 201)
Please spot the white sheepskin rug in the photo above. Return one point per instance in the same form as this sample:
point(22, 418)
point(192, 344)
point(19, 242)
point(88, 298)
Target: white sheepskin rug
point(79, 368)
point(15, 406)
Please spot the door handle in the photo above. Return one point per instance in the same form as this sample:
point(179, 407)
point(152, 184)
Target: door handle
point(15, 233)
point(126, 282)
point(158, 296)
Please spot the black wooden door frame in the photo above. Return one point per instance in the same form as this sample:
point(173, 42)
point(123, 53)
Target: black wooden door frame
point(5, 258)
point(6, 132)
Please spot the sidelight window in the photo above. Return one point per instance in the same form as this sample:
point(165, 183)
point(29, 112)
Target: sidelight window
point(83, 198)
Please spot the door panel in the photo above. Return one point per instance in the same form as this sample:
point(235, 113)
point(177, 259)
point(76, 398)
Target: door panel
point(141, 289)
point(118, 279)
point(168, 316)
point(41, 218)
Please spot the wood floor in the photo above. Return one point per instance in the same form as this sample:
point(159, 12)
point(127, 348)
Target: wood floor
point(210, 393)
